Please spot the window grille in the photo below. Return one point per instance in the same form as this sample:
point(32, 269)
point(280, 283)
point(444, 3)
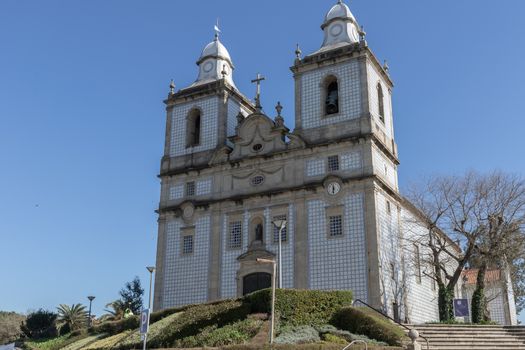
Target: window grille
point(190, 189)
point(235, 235)
point(336, 225)
point(187, 244)
point(333, 163)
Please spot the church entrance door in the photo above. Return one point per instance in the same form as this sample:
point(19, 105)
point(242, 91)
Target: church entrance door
point(256, 281)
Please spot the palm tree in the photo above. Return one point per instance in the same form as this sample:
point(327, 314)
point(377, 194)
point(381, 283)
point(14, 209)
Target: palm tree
point(115, 312)
point(75, 316)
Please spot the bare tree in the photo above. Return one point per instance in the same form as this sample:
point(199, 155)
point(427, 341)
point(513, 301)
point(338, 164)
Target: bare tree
point(446, 207)
point(482, 214)
point(500, 216)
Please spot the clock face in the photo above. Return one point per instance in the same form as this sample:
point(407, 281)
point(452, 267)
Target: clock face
point(333, 188)
point(336, 29)
point(208, 66)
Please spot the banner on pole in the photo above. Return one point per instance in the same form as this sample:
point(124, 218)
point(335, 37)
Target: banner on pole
point(144, 321)
point(461, 308)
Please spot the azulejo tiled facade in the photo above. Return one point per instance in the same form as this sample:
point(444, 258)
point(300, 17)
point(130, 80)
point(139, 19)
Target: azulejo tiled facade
point(229, 170)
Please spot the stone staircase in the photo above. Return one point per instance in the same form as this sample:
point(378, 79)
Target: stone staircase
point(468, 337)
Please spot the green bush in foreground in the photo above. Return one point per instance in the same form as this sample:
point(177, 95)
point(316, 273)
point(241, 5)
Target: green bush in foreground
point(300, 307)
point(237, 333)
point(198, 317)
point(298, 335)
point(357, 320)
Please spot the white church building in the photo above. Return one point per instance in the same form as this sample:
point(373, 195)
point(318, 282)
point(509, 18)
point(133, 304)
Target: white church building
point(229, 170)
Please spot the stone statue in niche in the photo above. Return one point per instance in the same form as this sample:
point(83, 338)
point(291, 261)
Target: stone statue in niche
point(259, 232)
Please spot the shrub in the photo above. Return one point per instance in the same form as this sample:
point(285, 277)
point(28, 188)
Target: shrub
point(115, 327)
point(198, 317)
point(236, 333)
point(331, 338)
point(10, 326)
point(40, 324)
point(109, 342)
point(155, 329)
point(300, 307)
point(357, 320)
point(298, 335)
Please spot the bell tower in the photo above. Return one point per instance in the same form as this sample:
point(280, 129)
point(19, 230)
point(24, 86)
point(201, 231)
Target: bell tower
point(202, 116)
point(342, 90)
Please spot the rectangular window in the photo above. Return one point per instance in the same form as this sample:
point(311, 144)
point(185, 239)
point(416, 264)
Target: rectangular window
point(284, 236)
point(190, 189)
point(388, 208)
point(333, 163)
point(187, 244)
point(235, 240)
point(336, 225)
point(417, 263)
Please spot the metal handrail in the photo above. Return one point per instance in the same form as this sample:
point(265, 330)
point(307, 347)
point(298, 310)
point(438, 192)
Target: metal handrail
point(390, 318)
point(356, 341)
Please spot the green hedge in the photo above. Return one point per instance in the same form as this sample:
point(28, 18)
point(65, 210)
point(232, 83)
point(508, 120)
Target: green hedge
point(198, 317)
point(371, 324)
point(300, 307)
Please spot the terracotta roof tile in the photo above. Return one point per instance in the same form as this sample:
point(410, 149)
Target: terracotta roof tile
point(470, 276)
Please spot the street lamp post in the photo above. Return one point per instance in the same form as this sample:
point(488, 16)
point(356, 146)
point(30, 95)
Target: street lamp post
point(90, 298)
point(151, 269)
point(268, 261)
point(280, 224)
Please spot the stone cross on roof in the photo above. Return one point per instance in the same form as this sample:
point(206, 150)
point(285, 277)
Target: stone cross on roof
point(258, 80)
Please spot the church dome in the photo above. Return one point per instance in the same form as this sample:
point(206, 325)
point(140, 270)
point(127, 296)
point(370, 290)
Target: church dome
point(339, 10)
point(215, 49)
point(214, 64)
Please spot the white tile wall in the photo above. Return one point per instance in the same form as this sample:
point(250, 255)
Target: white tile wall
point(186, 276)
point(203, 187)
point(176, 191)
point(338, 263)
point(391, 281)
point(230, 264)
point(351, 161)
point(287, 251)
point(422, 300)
point(315, 167)
point(209, 120)
point(349, 95)
point(233, 111)
point(380, 163)
point(373, 79)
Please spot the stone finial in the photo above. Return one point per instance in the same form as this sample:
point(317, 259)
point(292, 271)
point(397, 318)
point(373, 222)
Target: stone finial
point(279, 120)
point(386, 67)
point(172, 88)
point(298, 52)
point(362, 34)
point(279, 108)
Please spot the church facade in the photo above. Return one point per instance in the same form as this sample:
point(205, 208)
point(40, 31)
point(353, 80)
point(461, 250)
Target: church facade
point(229, 171)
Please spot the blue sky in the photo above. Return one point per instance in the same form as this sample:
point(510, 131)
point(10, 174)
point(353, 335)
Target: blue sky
point(82, 118)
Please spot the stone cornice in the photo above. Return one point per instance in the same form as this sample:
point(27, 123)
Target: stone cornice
point(239, 198)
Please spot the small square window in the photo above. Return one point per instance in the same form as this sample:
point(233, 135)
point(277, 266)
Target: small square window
point(284, 236)
point(336, 225)
point(235, 240)
point(187, 244)
point(333, 163)
point(190, 189)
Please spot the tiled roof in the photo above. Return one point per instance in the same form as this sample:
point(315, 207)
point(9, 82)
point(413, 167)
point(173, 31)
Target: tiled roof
point(470, 276)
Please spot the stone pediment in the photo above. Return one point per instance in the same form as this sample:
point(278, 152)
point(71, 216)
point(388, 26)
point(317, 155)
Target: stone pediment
point(258, 135)
point(254, 254)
